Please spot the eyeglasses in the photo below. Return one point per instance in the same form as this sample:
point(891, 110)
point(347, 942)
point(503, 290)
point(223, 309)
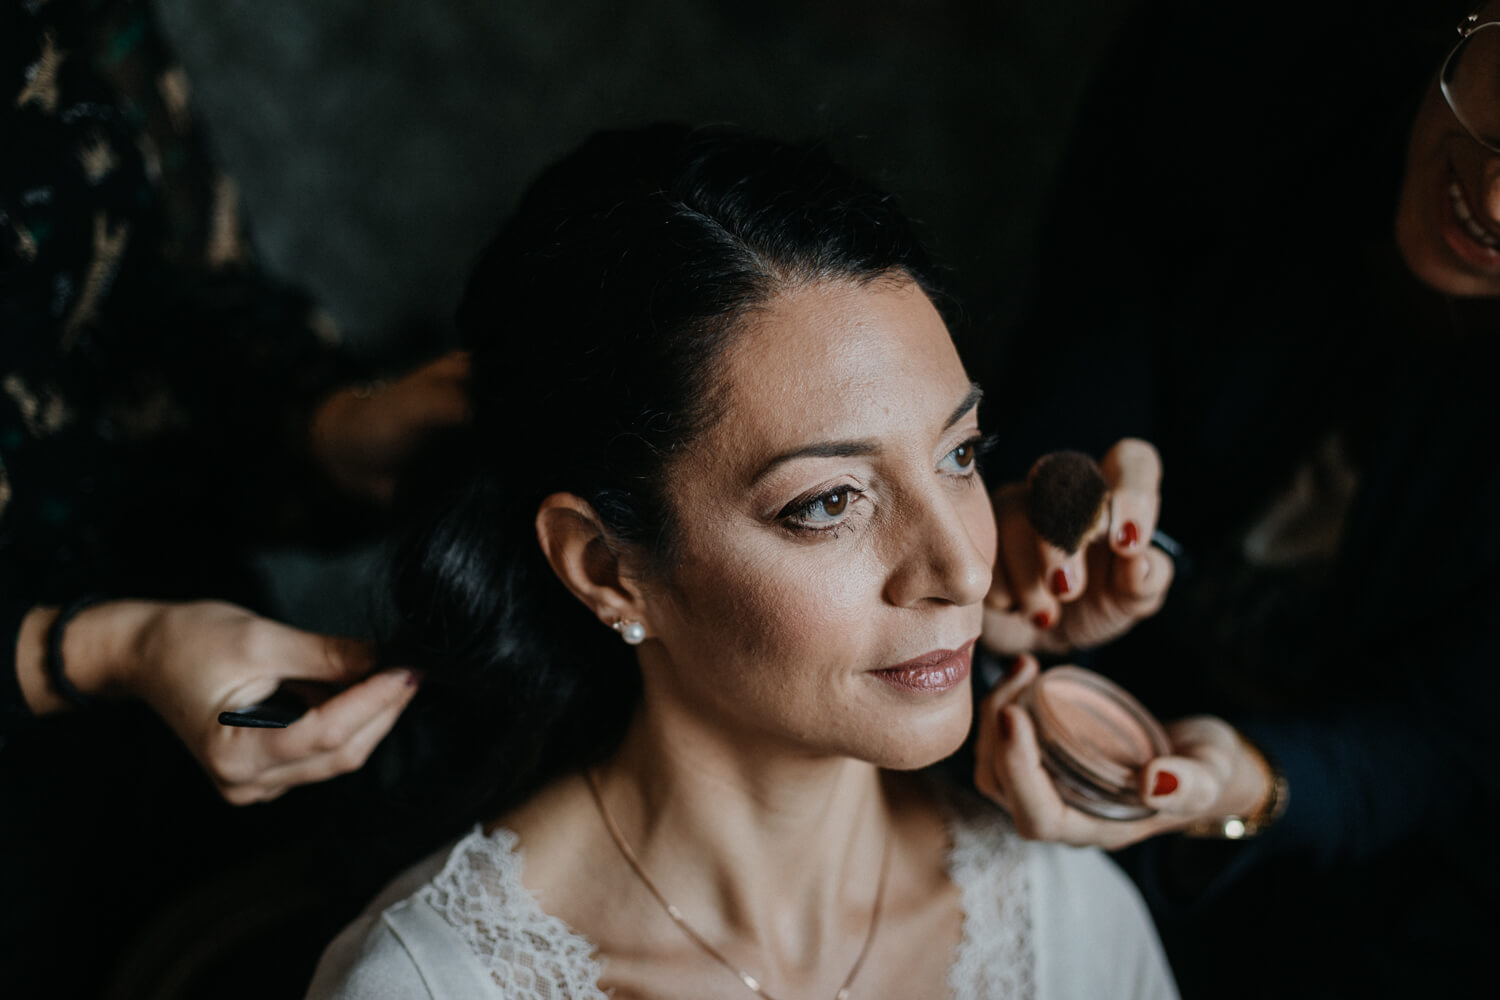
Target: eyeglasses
point(1470, 80)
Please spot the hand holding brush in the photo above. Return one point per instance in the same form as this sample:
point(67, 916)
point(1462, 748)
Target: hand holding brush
point(1080, 558)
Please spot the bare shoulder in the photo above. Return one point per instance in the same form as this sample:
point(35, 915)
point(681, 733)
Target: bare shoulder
point(565, 849)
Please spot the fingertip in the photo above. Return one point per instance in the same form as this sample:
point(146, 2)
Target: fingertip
point(1067, 578)
point(1132, 511)
point(402, 683)
point(1172, 785)
point(1133, 518)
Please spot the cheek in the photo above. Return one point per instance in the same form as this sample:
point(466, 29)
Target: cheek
point(799, 605)
point(1426, 160)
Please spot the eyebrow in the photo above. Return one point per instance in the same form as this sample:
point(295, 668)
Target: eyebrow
point(860, 448)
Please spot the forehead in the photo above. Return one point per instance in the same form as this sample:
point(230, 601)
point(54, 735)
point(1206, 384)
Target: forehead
point(839, 359)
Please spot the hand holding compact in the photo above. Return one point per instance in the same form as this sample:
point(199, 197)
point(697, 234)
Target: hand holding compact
point(1076, 564)
point(1208, 772)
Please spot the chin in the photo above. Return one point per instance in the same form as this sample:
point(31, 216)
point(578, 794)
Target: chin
point(1432, 268)
point(920, 744)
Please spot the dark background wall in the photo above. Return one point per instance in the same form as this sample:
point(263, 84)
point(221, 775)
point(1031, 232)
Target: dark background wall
point(377, 142)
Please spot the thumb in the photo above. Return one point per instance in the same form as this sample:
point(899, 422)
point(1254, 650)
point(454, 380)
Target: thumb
point(1180, 786)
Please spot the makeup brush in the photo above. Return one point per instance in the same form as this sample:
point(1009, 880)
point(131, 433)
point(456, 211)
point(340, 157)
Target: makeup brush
point(1067, 502)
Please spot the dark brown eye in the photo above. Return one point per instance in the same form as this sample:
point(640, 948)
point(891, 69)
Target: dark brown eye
point(963, 460)
point(826, 510)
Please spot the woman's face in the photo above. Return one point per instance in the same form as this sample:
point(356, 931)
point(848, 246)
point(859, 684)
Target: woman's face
point(832, 526)
point(1448, 215)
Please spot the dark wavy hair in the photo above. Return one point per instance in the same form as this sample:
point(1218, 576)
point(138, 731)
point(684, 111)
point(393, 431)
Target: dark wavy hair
point(596, 319)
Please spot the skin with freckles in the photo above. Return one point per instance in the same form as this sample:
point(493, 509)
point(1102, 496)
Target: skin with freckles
point(887, 560)
point(829, 525)
point(1430, 233)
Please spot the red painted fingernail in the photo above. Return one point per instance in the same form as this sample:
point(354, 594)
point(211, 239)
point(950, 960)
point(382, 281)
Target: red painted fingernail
point(1041, 620)
point(1130, 535)
point(1015, 665)
point(414, 678)
point(1060, 582)
point(1166, 783)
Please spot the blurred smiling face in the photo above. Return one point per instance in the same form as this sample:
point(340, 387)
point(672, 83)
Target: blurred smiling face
point(1448, 215)
point(834, 539)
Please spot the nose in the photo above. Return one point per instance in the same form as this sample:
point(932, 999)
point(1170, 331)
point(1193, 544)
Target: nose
point(946, 554)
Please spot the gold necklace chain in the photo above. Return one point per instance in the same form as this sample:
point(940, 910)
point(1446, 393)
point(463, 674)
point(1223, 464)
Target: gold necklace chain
point(672, 911)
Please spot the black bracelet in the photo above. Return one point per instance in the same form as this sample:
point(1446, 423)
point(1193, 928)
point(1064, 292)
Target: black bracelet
point(54, 660)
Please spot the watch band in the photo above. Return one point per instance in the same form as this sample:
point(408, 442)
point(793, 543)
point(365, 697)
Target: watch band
point(1238, 827)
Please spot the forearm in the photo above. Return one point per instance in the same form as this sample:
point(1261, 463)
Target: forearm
point(1360, 780)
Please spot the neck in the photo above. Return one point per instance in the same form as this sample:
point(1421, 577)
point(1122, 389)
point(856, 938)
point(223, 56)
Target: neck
point(781, 853)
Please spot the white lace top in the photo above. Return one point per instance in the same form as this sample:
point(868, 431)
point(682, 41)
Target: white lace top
point(1041, 922)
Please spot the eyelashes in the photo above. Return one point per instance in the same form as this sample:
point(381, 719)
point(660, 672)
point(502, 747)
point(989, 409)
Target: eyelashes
point(822, 511)
point(829, 510)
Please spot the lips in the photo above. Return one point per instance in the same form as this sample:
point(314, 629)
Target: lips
point(1466, 217)
point(1463, 231)
point(934, 672)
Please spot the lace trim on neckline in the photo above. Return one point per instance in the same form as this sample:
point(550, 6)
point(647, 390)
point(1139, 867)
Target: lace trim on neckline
point(530, 954)
point(996, 957)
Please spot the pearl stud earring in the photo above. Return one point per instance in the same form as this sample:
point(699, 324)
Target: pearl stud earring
point(634, 633)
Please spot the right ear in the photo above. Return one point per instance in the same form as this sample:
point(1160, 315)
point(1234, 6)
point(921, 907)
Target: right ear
point(580, 552)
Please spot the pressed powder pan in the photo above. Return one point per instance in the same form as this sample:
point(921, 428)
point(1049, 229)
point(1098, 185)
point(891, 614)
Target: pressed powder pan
point(1095, 738)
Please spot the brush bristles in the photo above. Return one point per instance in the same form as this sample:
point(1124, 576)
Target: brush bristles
point(1065, 497)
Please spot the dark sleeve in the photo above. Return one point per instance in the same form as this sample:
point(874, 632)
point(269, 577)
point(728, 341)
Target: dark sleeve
point(1401, 751)
point(1418, 762)
point(145, 357)
point(1363, 780)
point(245, 353)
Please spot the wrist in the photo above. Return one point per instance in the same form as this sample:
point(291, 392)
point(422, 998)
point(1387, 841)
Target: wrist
point(99, 652)
point(1258, 796)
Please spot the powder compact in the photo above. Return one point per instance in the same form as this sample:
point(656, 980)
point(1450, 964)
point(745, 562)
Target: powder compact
point(1095, 738)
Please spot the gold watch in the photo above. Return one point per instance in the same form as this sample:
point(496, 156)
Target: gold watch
point(1237, 827)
